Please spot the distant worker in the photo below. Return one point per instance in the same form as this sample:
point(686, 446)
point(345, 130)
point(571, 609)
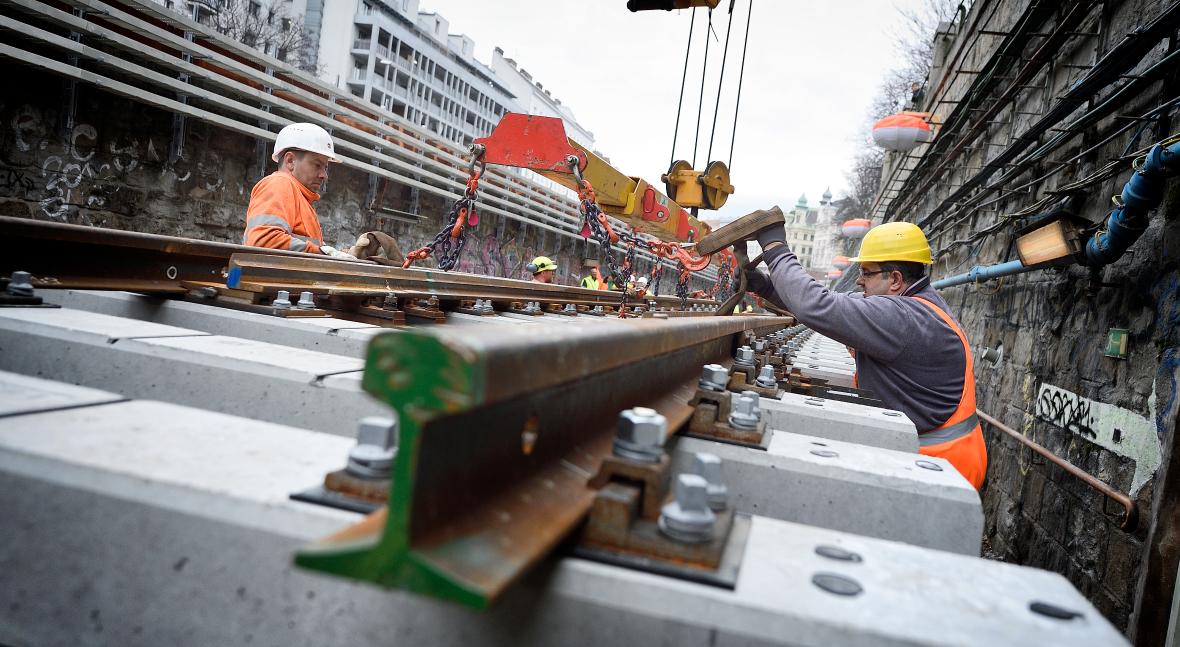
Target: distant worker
point(543, 269)
point(909, 350)
point(593, 279)
point(280, 214)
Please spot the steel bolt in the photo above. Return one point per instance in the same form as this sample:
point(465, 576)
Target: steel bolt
point(282, 300)
point(766, 378)
point(306, 301)
point(570, 308)
point(637, 309)
point(687, 518)
point(20, 284)
point(759, 345)
point(714, 377)
point(708, 467)
point(640, 435)
point(598, 310)
point(743, 410)
point(744, 356)
point(376, 445)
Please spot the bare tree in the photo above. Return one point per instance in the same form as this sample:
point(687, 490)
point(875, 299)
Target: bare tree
point(266, 25)
point(914, 44)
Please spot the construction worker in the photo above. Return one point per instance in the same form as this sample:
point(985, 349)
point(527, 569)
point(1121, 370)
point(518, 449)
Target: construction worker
point(909, 349)
point(593, 279)
point(543, 269)
point(280, 214)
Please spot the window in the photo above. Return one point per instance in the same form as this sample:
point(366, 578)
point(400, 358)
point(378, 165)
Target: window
point(255, 8)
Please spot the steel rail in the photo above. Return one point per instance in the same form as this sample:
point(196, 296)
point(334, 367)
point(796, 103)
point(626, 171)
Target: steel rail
point(1131, 512)
point(110, 259)
point(499, 434)
point(265, 273)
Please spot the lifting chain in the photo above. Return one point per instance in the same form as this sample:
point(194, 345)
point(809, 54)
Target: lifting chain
point(448, 242)
point(682, 285)
point(594, 222)
point(721, 289)
point(657, 275)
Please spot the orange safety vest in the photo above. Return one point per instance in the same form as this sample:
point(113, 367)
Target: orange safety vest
point(960, 439)
point(280, 216)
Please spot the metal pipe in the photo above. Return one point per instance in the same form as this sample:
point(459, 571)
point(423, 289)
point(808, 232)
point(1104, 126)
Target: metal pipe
point(1142, 193)
point(1131, 513)
point(983, 273)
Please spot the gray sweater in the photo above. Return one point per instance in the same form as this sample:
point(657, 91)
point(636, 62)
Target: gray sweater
point(905, 353)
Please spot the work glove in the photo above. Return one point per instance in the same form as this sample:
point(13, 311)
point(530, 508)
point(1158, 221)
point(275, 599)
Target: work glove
point(328, 250)
point(758, 281)
point(773, 234)
point(378, 247)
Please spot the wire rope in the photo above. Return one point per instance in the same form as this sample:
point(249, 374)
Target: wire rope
point(701, 101)
point(683, 79)
point(741, 76)
point(720, 81)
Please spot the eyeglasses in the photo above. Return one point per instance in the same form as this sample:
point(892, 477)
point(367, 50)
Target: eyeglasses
point(864, 274)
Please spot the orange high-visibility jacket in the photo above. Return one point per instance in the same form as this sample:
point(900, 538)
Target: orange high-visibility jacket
point(280, 216)
point(960, 439)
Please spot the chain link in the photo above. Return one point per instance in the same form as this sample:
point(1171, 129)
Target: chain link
point(448, 243)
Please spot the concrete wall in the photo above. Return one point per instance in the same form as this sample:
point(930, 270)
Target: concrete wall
point(112, 168)
point(1114, 418)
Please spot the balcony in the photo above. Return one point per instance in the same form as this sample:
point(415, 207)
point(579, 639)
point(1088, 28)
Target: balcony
point(362, 44)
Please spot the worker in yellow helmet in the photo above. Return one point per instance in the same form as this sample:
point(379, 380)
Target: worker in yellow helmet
point(909, 349)
point(543, 269)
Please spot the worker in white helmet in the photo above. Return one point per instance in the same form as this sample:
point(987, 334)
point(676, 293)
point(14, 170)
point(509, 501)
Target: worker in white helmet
point(280, 215)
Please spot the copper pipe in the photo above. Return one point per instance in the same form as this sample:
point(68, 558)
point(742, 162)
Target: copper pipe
point(1130, 517)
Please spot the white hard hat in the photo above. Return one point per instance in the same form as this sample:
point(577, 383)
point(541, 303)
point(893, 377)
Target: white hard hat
point(305, 137)
point(642, 280)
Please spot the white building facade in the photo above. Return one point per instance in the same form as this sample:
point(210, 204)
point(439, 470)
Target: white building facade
point(406, 61)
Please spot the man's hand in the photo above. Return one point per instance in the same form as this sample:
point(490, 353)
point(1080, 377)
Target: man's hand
point(770, 235)
point(328, 250)
point(758, 281)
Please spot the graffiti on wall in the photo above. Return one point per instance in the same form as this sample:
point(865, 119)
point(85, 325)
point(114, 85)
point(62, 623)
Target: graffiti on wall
point(81, 169)
point(1127, 433)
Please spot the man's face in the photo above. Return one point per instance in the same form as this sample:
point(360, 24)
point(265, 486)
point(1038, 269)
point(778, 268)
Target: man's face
point(545, 276)
point(311, 169)
point(875, 281)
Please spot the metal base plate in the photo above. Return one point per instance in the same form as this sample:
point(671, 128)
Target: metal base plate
point(724, 577)
point(762, 444)
point(320, 495)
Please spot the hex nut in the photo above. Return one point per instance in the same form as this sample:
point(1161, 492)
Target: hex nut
point(688, 518)
point(714, 377)
point(282, 300)
point(20, 284)
point(306, 301)
point(744, 356)
point(766, 378)
point(708, 466)
point(640, 435)
point(743, 410)
point(375, 449)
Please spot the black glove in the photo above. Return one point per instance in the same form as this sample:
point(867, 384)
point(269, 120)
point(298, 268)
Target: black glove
point(758, 281)
point(772, 234)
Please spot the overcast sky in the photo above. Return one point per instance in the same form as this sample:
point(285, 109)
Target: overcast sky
point(811, 71)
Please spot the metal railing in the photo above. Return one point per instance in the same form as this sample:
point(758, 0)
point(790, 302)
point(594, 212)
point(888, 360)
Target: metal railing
point(1130, 514)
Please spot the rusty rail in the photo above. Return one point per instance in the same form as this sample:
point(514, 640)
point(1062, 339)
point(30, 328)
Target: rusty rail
point(60, 255)
point(500, 431)
point(1131, 513)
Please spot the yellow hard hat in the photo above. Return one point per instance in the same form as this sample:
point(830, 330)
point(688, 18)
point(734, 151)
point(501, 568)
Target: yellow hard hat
point(541, 263)
point(894, 241)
